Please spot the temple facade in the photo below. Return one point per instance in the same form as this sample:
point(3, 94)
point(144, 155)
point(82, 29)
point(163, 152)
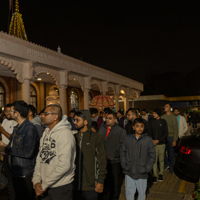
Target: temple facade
point(39, 75)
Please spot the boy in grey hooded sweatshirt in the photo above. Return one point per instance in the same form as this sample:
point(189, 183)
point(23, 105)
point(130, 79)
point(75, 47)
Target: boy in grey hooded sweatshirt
point(54, 170)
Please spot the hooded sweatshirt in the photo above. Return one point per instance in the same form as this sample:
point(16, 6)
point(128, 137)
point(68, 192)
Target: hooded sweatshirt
point(91, 159)
point(37, 122)
point(55, 161)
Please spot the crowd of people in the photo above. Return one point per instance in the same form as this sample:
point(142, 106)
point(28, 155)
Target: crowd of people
point(86, 156)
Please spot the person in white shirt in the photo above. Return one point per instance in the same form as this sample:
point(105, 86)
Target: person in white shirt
point(182, 124)
point(6, 129)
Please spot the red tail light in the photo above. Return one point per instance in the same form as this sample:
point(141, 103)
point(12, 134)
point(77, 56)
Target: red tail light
point(185, 150)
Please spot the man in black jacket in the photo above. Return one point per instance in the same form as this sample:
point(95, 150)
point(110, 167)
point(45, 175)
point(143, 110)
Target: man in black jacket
point(91, 159)
point(114, 136)
point(158, 131)
point(137, 158)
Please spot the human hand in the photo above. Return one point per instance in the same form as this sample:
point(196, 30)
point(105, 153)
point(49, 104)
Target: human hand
point(174, 143)
point(155, 142)
point(38, 189)
point(3, 153)
point(99, 187)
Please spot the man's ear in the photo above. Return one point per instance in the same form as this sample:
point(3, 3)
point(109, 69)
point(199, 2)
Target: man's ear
point(85, 122)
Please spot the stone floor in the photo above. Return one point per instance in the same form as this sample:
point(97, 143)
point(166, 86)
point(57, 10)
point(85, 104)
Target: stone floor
point(172, 188)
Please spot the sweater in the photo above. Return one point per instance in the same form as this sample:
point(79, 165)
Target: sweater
point(55, 161)
point(172, 124)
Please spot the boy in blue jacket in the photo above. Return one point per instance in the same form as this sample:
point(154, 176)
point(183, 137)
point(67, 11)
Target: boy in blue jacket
point(137, 156)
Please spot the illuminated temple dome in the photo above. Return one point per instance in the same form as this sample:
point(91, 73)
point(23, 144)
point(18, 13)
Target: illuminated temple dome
point(17, 25)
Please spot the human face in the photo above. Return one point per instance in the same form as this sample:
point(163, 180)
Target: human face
point(7, 113)
point(144, 113)
point(155, 115)
point(79, 123)
point(131, 116)
point(94, 115)
point(42, 118)
point(167, 108)
point(139, 128)
point(118, 115)
point(71, 115)
point(110, 120)
point(14, 114)
point(101, 114)
point(48, 117)
point(176, 112)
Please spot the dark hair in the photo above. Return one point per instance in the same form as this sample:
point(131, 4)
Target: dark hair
point(168, 104)
point(32, 109)
point(144, 110)
point(101, 112)
point(93, 111)
point(80, 114)
point(138, 120)
point(8, 105)
point(113, 113)
point(94, 125)
point(42, 111)
point(72, 111)
point(138, 109)
point(107, 110)
point(21, 107)
point(134, 111)
point(176, 109)
point(57, 109)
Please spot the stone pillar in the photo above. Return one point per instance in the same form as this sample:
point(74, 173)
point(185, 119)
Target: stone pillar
point(126, 103)
point(63, 99)
point(86, 99)
point(116, 102)
point(26, 91)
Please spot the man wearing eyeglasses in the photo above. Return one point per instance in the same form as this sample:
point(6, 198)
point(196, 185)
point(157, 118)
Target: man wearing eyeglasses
point(113, 136)
point(6, 130)
point(23, 148)
point(54, 170)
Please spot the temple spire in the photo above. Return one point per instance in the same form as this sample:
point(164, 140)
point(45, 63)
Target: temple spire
point(17, 25)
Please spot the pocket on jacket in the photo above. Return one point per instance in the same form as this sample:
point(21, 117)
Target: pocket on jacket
point(18, 141)
point(141, 169)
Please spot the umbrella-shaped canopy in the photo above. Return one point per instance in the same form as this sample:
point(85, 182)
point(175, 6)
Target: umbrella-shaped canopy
point(102, 101)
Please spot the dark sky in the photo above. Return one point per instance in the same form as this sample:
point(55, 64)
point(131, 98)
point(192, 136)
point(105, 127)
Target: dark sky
point(126, 37)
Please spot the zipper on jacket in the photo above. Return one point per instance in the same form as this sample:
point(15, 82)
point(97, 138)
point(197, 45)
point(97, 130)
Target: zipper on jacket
point(80, 144)
point(140, 150)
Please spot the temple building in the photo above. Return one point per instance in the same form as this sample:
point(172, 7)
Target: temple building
point(40, 76)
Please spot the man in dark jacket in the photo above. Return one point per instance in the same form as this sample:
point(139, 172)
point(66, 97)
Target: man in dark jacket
point(96, 117)
point(23, 148)
point(132, 114)
point(120, 118)
point(158, 131)
point(71, 119)
point(90, 159)
point(137, 158)
point(114, 136)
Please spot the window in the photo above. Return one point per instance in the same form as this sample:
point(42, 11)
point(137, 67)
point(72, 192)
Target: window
point(33, 96)
point(2, 96)
point(90, 97)
point(74, 100)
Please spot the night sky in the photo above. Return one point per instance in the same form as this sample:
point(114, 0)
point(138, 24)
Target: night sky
point(129, 38)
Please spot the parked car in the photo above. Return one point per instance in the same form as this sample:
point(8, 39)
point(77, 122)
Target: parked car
point(187, 161)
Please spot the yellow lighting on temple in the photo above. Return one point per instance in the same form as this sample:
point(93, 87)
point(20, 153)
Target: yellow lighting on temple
point(17, 25)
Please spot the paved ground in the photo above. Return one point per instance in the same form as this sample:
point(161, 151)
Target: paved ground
point(172, 188)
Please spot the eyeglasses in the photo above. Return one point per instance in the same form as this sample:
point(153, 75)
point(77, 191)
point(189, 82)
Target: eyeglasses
point(45, 114)
point(8, 111)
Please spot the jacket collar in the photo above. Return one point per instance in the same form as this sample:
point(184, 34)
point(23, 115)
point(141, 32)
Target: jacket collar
point(143, 135)
point(22, 124)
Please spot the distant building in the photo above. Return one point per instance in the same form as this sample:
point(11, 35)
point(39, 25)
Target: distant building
point(151, 102)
